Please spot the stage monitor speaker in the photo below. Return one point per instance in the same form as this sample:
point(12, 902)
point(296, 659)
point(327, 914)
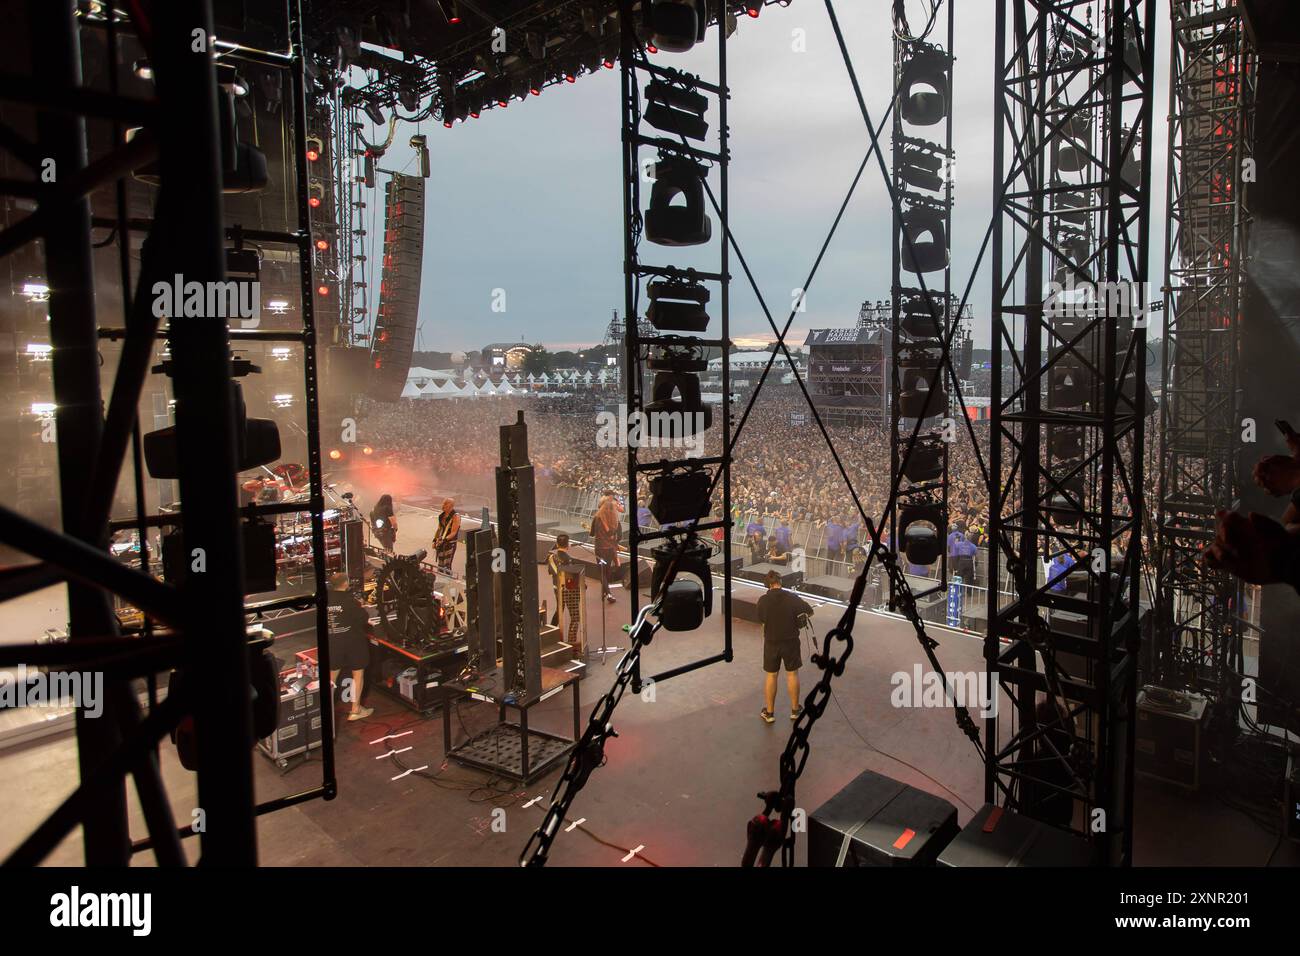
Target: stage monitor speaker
point(399, 291)
point(1000, 837)
point(876, 821)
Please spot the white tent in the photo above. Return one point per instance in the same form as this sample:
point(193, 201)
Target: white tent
point(532, 379)
point(410, 391)
point(507, 389)
point(602, 377)
point(586, 379)
point(448, 389)
point(430, 390)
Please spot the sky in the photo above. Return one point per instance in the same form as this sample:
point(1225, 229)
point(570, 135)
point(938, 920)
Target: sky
point(528, 199)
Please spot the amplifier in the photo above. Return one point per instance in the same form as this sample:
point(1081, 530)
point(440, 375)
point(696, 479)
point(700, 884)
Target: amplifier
point(1000, 837)
point(1169, 736)
point(876, 821)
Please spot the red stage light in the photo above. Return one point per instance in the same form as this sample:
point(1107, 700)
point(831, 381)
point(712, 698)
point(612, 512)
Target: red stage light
point(753, 9)
point(570, 78)
point(447, 123)
point(323, 290)
point(474, 114)
point(651, 48)
point(314, 202)
point(535, 91)
point(609, 64)
point(503, 103)
point(367, 450)
point(322, 245)
point(313, 155)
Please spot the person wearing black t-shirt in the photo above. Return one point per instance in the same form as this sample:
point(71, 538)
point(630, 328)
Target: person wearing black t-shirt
point(349, 644)
point(780, 611)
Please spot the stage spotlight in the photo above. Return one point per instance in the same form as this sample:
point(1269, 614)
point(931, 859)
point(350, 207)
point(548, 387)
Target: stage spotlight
point(228, 79)
point(1065, 507)
point(374, 112)
point(667, 224)
point(676, 25)
point(609, 63)
point(367, 450)
point(322, 290)
point(322, 245)
point(677, 306)
point(691, 557)
point(336, 455)
point(1070, 147)
point(928, 249)
point(677, 396)
point(918, 321)
point(258, 441)
point(926, 460)
point(313, 149)
point(142, 69)
point(450, 11)
point(923, 393)
point(925, 107)
point(679, 496)
point(676, 110)
point(922, 527)
point(753, 9)
point(920, 168)
point(1065, 442)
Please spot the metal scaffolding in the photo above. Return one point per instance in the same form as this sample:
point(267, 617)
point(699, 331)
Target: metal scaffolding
point(200, 624)
point(1071, 146)
point(1211, 105)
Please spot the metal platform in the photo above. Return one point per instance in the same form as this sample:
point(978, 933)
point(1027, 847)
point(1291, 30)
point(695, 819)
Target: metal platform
point(500, 749)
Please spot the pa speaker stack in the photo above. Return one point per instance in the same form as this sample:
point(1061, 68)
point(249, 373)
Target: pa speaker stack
point(399, 293)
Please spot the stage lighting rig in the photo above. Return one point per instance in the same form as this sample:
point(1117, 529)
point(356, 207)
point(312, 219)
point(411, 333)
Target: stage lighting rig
point(667, 224)
point(922, 525)
point(677, 306)
point(688, 557)
point(675, 25)
point(929, 70)
point(677, 394)
point(678, 496)
point(676, 110)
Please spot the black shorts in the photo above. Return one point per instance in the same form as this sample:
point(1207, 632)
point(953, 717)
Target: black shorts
point(349, 652)
point(782, 652)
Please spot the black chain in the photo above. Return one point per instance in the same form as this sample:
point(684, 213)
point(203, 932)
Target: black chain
point(589, 752)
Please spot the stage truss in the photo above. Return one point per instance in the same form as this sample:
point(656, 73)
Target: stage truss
point(1071, 148)
point(1211, 106)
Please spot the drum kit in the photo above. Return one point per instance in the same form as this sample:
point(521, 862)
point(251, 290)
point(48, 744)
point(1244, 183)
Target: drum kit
point(417, 606)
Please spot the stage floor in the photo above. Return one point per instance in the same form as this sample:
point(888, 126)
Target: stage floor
point(680, 781)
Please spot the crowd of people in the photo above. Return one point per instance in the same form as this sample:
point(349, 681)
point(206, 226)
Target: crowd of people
point(782, 469)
